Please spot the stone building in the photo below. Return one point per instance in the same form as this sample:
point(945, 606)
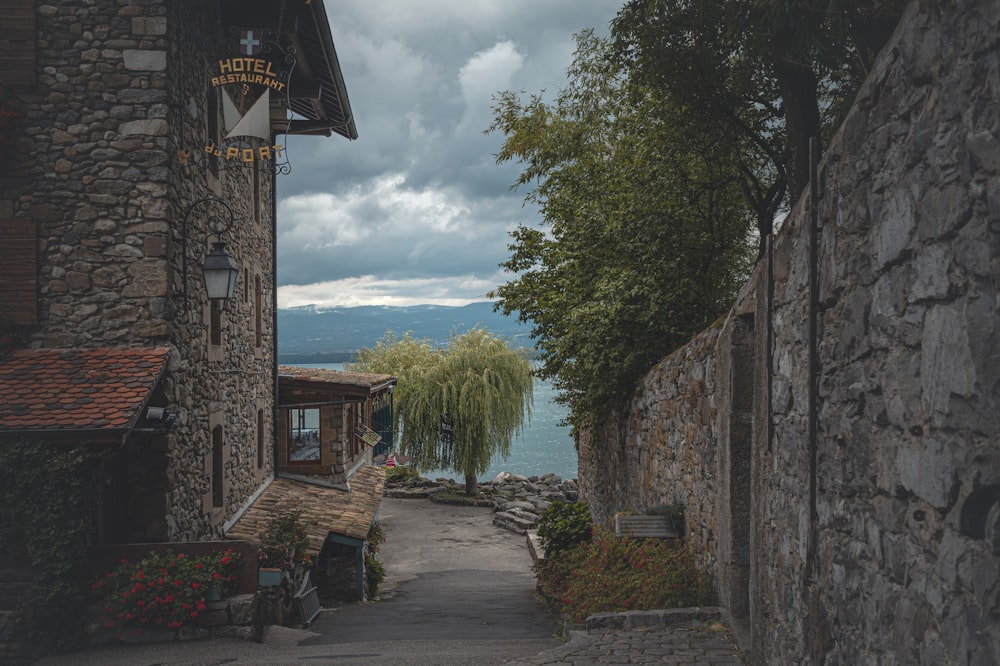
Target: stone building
point(836, 439)
point(149, 145)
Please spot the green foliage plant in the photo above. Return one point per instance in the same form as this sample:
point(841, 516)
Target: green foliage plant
point(374, 569)
point(763, 76)
point(611, 574)
point(402, 476)
point(49, 498)
point(459, 406)
point(285, 542)
point(645, 239)
point(564, 525)
point(163, 590)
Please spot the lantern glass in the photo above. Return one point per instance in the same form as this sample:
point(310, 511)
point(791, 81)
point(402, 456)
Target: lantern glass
point(220, 272)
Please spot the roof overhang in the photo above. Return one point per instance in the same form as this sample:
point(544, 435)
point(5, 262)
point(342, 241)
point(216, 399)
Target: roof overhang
point(318, 93)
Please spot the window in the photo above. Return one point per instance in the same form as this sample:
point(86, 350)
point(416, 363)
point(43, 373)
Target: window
point(303, 435)
point(256, 192)
point(215, 323)
point(19, 271)
point(260, 438)
point(356, 419)
point(258, 319)
point(212, 128)
point(218, 472)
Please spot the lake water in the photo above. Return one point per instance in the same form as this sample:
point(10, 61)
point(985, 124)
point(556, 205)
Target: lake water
point(544, 446)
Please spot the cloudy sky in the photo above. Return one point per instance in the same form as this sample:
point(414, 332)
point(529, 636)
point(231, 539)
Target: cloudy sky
point(416, 210)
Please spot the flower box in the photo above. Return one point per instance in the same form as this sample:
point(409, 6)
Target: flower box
point(268, 577)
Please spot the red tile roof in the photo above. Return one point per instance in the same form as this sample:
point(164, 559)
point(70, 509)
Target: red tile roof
point(322, 510)
point(100, 389)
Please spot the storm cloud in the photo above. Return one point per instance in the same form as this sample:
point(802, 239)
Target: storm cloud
point(416, 210)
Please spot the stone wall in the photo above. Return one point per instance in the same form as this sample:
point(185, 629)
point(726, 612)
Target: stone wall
point(121, 93)
point(847, 525)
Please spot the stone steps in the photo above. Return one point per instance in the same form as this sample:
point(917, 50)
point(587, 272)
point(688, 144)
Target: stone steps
point(513, 522)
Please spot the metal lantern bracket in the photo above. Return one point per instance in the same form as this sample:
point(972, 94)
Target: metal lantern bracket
point(218, 259)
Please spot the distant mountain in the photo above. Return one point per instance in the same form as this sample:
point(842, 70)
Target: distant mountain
point(309, 334)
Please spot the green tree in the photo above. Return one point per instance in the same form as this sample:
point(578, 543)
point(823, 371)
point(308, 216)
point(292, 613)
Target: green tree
point(458, 406)
point(646, 235)
point(763, 75)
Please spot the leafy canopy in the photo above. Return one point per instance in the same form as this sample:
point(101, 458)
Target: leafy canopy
point(763, 75)
point(646, 236)
point(458, 406)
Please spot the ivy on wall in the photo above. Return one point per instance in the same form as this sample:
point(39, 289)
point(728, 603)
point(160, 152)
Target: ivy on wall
point(48, 507)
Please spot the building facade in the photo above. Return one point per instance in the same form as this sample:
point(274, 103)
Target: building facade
point(148, 133)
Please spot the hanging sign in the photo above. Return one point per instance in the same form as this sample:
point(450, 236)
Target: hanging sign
point(247, 84)
point(367, 435)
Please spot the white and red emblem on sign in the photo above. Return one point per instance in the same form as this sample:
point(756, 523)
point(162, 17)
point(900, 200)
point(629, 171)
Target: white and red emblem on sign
point(249, 42)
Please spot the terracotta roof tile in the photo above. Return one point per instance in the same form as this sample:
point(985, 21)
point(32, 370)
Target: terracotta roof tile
point(323, 510)
point(359, 379)
point(77, 389)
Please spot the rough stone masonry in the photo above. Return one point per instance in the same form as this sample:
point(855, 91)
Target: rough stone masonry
point(852, 519)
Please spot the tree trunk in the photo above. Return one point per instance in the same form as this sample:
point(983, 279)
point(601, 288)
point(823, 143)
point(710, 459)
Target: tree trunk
point(470, 484)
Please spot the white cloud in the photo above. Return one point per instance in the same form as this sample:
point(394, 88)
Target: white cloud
point(372, 290)
point(418, 200)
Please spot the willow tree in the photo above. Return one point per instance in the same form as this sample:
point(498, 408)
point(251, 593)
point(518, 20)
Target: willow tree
point(459, 406)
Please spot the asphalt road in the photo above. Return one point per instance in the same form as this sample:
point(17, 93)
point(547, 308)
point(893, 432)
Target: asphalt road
point(457, 591)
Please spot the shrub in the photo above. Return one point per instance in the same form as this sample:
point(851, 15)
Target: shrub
point(619, 574)
point(402, 476)
point(163, 590)
point(374, 570)
point(285, 542)
point(564, 525)
point(50, 495)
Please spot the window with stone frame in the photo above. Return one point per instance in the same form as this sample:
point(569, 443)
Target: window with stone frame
point(212, 115)
point(215, 322)
point(19, 271)
point(357, 445)
point(218, 468)
point(258, 311)
point(260, 438)
point(303, 435)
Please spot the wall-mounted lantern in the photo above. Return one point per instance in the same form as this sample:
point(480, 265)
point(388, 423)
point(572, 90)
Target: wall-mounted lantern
point(220, 268)
point(220, 272)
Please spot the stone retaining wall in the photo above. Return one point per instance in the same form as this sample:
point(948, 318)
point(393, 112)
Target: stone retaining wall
point(847, 525)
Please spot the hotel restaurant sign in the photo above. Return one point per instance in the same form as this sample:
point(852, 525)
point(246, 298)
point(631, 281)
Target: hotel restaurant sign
point(246, 83)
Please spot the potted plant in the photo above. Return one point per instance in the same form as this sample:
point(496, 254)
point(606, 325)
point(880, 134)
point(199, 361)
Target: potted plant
point(284, 547)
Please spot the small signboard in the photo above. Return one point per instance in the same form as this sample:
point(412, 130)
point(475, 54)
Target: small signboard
point(367, 435)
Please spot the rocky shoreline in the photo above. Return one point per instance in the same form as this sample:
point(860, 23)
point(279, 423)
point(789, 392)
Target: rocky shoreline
point(516, 500)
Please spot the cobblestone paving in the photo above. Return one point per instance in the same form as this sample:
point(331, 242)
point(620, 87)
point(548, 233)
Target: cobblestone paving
point(699, 645)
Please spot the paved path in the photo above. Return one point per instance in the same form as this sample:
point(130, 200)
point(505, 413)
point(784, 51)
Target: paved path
point(459, 591)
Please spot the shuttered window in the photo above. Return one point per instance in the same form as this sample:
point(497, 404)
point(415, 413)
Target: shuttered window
point(17, 42)
point(18, 271)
